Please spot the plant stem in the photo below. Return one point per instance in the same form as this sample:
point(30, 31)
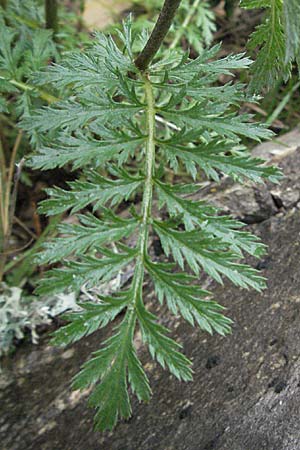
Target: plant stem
point(2, 195)
point(148, 191)
point(158, 34)
point(150, 160)
point(7, 120)
point(10, 178)
point(26, 260)
point(281, 105)
point(185, 24)
point(27, 87)
point(51, 15)
point(8, 205)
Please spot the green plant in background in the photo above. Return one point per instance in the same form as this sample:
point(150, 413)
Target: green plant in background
point(278, 39)
point(22, 51)
point(125, 123)
point(194, 24)
point(25, 47)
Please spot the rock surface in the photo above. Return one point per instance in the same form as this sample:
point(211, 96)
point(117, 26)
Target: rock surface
point(246, 389)
point(98, 14)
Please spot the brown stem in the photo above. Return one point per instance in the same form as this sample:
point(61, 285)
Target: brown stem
point(2, 194)
point(3, 4)
point(158, 34)
point(10, 177)
point(14, 193)
point(8, 204)
point(51, 15)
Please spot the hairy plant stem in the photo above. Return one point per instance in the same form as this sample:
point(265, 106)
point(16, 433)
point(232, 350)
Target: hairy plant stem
point(51, 15)
point(138, 277)
point(158, 34)
point(148, 191)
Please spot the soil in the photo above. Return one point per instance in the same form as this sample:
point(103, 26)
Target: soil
point(246, 389)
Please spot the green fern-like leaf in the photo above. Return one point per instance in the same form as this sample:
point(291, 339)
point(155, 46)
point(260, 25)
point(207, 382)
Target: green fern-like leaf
point(90, 232)
point(199, 250)
point(277, 39)
point(91, 318)
point(162, 348)
point(96, 190)
point(195, 213)
point(114, 366)
point(88, 271)
point(213, 159)
point(184, 296)
point(291, 11)
point(123, 128)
